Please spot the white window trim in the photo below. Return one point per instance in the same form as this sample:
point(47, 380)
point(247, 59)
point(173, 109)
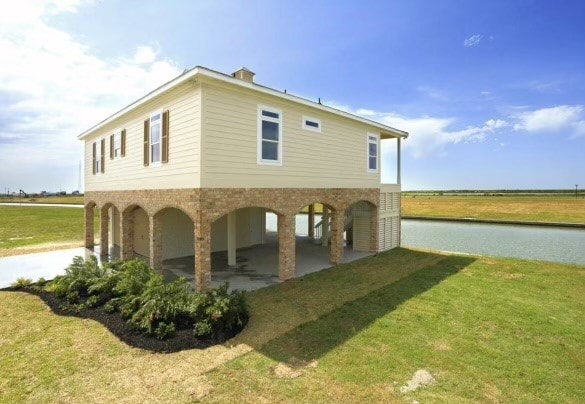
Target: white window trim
point(280, 121)
point(311, 128)
point(98, 157)
point(368, 141)
point(117, 134)
point(159, 162)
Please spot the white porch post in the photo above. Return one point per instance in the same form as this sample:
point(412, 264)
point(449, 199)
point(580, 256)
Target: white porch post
point(325, 227)
point(231, 238)
point(398, 165)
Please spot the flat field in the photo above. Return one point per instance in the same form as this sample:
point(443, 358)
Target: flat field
point(535, 208)
point(488, 330)
point(34, 229)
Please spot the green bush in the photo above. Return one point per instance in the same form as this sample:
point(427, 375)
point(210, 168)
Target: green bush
point(163, 303)
point(143, 298)
point(21, 283)
point(164, 330)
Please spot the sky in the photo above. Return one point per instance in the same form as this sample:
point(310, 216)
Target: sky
point(491, 92)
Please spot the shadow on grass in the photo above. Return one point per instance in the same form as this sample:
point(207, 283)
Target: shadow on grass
point(313, 339)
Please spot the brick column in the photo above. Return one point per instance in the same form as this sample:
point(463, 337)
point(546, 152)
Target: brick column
point(104, 231)
point(374, 234)
point(127, 235)
point(311, 217)
point(202, 253)
point(336, 252)
point(286, 247)
point(155, 235)
point(89, 234)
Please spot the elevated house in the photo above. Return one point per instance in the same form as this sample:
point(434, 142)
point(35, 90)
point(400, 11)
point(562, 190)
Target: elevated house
point(192, 168)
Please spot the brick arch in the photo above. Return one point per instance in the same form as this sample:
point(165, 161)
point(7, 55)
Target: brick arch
point(90, 205)
point(178, 207)
point(351, 202)
point(314, 201)
point(131, 206)
point(219, 214)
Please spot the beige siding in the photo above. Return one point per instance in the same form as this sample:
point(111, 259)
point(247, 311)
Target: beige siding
point(128, 172)
point(336, 157)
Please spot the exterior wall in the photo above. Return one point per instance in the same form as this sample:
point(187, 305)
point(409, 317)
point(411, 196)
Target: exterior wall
point(141, 232)
point(362, 213)
point(248, 229)
point(128, 172)
point(177, 234)
point(334, 158)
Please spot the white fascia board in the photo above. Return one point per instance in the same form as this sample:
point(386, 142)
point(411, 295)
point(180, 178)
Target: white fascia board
point(202, 71)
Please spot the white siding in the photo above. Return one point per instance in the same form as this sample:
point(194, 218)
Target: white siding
point(128, 172)
point(336, 157)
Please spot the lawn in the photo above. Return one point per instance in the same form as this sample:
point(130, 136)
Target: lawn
point(32, 229)
point(488, 329)
point(566, 209)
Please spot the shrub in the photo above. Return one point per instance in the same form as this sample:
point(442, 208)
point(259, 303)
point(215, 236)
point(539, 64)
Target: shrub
point(223, 311)
point(78, 277)
point(164, 330)
point(22, 283)
point(41, 282)
point(162, 303)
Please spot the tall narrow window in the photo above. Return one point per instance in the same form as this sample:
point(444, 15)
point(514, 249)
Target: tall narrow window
point(98, 153)
point(269, 136)
point(373, 153)
point(117, 144)
point(155, 137)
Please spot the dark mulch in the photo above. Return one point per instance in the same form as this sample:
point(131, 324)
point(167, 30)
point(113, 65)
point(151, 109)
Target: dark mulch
point(183, 339)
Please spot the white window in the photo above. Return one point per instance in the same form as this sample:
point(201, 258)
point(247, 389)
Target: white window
point(98, 157)
point(269, 136)
point(373, 141)
point(155, 137)
point(312, 124)
point(117, 144)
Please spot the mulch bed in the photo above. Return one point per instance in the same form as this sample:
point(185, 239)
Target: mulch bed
point(183, 339)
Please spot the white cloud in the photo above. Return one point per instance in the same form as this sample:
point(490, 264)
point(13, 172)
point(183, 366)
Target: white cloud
point(569, 118)
point(54, 86)
point(428, 135)
point(473, 40)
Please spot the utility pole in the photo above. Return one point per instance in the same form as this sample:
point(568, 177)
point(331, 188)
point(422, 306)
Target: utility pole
point(576, 186)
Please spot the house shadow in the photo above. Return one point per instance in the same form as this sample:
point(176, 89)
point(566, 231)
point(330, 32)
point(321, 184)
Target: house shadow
point(310, 340)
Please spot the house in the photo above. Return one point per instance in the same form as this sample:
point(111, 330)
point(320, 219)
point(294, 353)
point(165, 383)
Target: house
point(193, 167)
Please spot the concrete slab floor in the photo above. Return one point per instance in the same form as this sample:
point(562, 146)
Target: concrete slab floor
point(256, 267)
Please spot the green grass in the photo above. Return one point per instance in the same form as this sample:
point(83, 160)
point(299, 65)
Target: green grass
point(489, 330)
point(23, 229)
point(536, 208)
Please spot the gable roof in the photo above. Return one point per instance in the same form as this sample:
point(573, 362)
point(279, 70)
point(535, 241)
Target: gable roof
point(205, 72)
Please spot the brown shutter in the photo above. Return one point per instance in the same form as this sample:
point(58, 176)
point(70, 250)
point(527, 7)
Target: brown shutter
point(111, 147)
point(165, 137)
point(146, 141)
point(93, 159)
point(103, 154)
point(123, 142)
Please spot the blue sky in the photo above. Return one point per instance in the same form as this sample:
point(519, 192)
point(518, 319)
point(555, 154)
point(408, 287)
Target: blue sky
point(492, 92)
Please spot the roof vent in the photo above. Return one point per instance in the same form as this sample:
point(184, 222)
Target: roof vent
point(244, 74)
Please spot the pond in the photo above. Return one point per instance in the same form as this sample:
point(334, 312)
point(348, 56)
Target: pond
point(566, 245)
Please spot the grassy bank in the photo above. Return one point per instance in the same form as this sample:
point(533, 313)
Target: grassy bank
point(488, 330)
point(565, 209)
point(32, 229)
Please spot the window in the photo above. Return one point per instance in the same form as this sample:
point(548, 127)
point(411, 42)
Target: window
point(312, 124)
point(373, 153)
point(99, 147)
point(117, 144)
point(269, 136)
point(155, 137)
